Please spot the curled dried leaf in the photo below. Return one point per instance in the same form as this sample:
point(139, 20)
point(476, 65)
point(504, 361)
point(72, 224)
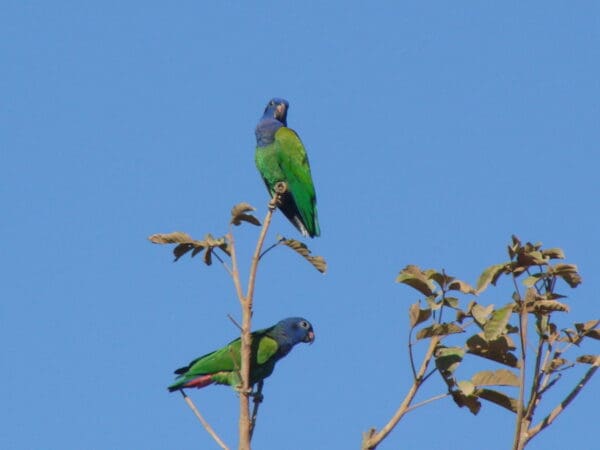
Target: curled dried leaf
point(553, 253)
point(318, 262)
point(239, 214)
point(177, 237)
point(546, 306)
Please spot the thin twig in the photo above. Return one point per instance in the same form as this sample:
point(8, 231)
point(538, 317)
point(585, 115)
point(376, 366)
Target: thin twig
point(372, 439)
point(271, 247)
point(547, 421)
point(519, 442)
point(235, 271)
point(535, 384)
point(429, 400)
point(410, 354)
point(203, 421)
point(227, 268)
point(235, 322)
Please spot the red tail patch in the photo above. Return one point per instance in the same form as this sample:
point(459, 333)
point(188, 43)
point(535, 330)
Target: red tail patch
point(199, 382)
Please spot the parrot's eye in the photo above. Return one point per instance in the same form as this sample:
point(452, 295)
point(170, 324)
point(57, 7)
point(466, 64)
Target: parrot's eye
point(304, 324)
point(271, 103)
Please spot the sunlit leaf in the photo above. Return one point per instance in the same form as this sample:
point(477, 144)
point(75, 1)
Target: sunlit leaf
point(440, 278)
point(434, 305)
point(501, 377)
point(177, 237)
point(490, 275)
point(496, 324)
point(545, 306)
point(568, 272)
point(481, 314)
point(318, 262)
point(451, 301)
point(418, 315)
point(553, 253)
point(413, 276)
point(441, 329)
point(499, 398)
point(466, 387)
point(458, 285)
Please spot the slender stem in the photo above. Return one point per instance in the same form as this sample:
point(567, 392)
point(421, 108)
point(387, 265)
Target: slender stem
point(410, 354)
point(519, 441)
point(235, 271)
point(227, 268)
point(547, 421)
point(429, 400)
point(245, 422)
point(203, 421)
point(270, 247)
point(535, 385)
point(373, 438)
point(235, 322)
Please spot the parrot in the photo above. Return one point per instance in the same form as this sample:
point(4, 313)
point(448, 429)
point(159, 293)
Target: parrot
point(222, 366)
point(280, 156)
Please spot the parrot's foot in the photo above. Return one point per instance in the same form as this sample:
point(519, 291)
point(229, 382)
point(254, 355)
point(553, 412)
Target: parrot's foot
point(280, 189)
point(257, 396)
point(241, 390)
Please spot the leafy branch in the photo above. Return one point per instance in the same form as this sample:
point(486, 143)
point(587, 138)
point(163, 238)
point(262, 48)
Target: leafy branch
point(224, 248)
point(533, 312)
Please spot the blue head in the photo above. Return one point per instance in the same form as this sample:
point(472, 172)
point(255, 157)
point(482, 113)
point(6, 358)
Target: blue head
point(277, 109)
point(291, 331)
point(274, 117)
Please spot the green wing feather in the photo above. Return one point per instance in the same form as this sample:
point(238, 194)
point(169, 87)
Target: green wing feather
point(224, 364)
point(267, 348)
point(293, 161)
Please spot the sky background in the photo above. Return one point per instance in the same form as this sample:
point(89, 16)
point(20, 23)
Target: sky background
point(435, 130)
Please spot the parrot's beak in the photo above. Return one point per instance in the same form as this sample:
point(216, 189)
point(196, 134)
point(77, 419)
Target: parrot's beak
point(310, 337)
point(280, 111)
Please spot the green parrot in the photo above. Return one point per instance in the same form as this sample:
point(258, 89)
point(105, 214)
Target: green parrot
point(280, 156)
point(268, 346)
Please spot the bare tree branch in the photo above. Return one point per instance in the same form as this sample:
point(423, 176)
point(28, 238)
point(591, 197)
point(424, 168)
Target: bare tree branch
point(203, 421)
point(245, 423)
point(372, 438)
point(547, 421)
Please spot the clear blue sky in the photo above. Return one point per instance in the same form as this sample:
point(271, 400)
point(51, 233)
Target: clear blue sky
point(435, 131)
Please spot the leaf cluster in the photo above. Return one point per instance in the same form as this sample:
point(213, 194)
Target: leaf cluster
point(489, 330)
